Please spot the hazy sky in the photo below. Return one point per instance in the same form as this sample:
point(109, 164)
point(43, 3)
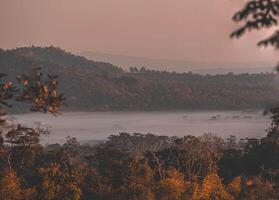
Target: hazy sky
point(170, 29)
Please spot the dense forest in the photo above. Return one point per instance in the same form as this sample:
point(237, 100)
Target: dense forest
point(135, 166)
point(98, 86)
point(128, 166)
point(141, 167)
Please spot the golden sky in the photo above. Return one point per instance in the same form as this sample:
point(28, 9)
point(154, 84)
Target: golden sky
point(196, 30)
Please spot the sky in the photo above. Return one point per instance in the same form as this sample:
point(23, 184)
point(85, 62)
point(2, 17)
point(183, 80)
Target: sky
point(195, 30)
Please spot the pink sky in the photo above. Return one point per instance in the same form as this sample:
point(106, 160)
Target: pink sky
point(168, 29)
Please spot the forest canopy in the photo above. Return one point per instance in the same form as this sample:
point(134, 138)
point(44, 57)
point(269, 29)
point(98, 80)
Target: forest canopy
point(136, 166)
point(107, 87)
point(128, 166)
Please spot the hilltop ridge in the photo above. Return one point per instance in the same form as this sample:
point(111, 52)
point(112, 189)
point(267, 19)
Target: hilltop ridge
point(98, 86)
point(181, 66)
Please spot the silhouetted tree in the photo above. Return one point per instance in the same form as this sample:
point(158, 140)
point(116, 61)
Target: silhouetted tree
point(259, 14)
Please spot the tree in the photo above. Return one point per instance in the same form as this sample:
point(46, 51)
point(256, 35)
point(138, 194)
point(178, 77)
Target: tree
point(256, 188)
point(259, 14)
point(122, 176)
point(211, 188)
point(20, 145)
point(172, 187)
point(11, 189)
point(256, 15)
point(57, 184)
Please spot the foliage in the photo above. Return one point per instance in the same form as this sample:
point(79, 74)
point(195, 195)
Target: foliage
point(259, 14)
point(57, 184)
point(109, 171)
point(128, 166)
point(211, 188)
point(91, 85)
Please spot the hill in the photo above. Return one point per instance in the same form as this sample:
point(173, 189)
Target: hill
point(90, 85)
point(181, 66)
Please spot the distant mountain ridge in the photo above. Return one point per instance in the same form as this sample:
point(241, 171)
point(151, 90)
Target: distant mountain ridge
point(181, 66)
point(57, 56)
point(98, 86)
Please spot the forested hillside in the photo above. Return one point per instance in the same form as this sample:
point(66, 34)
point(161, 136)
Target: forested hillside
point(90, 85)
point(128, 166)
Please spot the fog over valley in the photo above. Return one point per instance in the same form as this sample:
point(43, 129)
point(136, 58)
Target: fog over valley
point(139, 100)
point(89, 127)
